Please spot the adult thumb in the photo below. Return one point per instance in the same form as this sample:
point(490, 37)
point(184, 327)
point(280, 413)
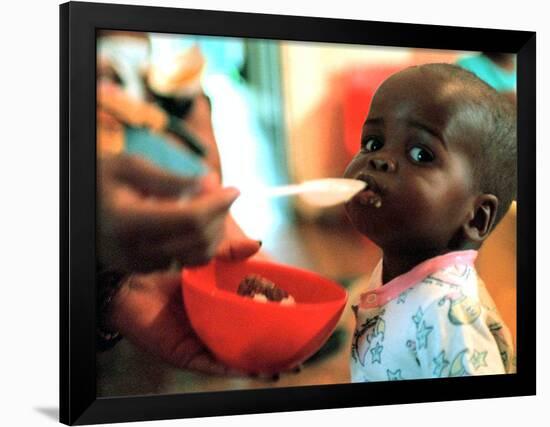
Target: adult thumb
point(238, 249)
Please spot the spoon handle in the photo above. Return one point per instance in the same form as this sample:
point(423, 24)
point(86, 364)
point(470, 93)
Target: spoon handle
point(284, 190)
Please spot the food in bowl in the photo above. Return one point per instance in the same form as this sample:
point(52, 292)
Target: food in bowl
point(261, 289)
point(262, 338)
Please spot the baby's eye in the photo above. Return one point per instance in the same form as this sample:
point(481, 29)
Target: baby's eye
point(371, 144)
point(421, 155)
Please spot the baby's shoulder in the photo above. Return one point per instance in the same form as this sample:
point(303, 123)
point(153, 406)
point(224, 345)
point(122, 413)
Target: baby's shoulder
point(453, 284)
point(421, 299)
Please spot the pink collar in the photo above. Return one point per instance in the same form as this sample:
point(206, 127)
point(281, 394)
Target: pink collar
point(383, 294)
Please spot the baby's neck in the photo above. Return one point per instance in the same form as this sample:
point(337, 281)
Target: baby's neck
point(398, 264)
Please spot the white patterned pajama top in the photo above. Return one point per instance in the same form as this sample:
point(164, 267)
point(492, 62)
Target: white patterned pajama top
point(436, 320)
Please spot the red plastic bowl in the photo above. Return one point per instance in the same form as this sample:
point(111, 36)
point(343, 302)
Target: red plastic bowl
point(261, 337)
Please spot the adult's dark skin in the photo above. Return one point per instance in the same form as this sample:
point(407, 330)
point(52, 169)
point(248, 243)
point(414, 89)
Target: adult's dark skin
point(148, 310)
point(418, 148)
point(145, 225)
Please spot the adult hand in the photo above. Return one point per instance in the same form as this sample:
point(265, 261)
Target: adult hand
point(144, 224)
point(148, 310)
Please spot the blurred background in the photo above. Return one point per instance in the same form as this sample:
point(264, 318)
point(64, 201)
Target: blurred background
point(269, 113)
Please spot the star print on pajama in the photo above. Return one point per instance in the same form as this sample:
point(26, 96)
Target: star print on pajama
point(436, 320)
point(440, 364)
point(394, 376)
point(377, 353)
point(422, 335)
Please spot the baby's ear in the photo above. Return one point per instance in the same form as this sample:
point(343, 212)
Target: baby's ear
point(482, 218)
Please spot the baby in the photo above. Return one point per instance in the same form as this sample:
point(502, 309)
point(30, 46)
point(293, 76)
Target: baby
point(438, 154)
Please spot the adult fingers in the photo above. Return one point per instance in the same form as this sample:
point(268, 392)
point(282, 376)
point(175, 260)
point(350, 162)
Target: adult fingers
point(190, 249)
point(205, 363)
point(205, 184)
point(210, 182)
point(147, 178)
point(214, 203)
point(193, 254)
point(156, 220)
point(153, 260)
point(237, 249)
point(168, 281)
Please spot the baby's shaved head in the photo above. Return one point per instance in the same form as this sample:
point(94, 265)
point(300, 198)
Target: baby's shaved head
point(494, 118)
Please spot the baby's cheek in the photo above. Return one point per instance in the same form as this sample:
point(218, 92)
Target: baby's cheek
point(348, 173)
point(358, 217)
point(354, 166)
point(414, 207)
point(432, 211)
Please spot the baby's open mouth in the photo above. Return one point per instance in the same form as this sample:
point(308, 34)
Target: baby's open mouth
point(370, 196)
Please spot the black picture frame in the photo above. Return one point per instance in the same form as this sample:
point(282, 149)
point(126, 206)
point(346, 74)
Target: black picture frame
point(79, 22)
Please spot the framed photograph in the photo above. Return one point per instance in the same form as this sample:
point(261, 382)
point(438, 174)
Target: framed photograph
point(265, 213)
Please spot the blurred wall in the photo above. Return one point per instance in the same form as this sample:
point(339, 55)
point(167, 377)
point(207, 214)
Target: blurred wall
point(496, 264)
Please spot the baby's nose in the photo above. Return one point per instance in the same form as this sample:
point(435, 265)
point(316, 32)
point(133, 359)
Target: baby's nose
point(383, 165)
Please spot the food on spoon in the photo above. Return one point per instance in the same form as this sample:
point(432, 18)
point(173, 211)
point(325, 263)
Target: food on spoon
point(261, 289)
point(369, 197)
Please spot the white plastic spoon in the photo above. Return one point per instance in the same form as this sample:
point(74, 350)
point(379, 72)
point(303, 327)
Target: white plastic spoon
point(322, 192)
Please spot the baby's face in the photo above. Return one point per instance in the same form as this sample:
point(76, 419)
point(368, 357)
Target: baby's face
point(416, 151)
